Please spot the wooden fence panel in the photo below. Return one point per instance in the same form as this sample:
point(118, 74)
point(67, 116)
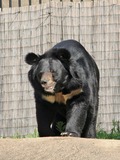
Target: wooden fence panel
point(20, 3)
point(35, 29)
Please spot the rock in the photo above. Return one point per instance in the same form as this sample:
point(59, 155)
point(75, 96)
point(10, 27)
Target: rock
point(59, 148)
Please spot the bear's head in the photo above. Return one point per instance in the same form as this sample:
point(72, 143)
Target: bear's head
point(50, 70)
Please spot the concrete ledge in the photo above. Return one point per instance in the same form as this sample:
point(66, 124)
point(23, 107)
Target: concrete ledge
point(59, 148)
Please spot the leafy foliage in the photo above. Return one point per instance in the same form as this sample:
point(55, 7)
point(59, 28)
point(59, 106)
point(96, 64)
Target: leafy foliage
point(31, 135)
point(60, 126)
point(114, 134)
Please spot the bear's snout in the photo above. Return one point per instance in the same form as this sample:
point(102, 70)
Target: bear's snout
point(47, 82)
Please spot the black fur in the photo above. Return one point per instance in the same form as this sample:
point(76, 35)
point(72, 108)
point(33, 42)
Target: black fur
point(72, 69)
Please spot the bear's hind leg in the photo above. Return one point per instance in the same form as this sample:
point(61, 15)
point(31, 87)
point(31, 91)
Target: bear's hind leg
point(89, 130)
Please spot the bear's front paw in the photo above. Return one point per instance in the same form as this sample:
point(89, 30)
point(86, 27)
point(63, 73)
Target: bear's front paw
point(68, 134)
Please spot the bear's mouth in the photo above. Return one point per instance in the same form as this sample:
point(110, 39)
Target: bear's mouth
point(49, 88)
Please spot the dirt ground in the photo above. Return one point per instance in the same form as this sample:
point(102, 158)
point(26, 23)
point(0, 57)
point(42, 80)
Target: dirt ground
point(59, 148)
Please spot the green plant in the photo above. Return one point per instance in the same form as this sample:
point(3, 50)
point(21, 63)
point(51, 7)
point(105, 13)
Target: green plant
point(17, 136)
point(33, 135)
point(114, 134)
point(60, 126)
point(116, 127)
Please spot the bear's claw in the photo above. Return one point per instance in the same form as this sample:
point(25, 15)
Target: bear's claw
point(68, 134)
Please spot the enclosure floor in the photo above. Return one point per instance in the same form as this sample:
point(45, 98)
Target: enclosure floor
point(59, 148)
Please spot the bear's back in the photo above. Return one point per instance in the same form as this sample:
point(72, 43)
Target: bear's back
point(74, 47)
point(78, 53)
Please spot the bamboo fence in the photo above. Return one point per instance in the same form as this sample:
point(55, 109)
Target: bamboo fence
point(19, 3)
point(37, 28)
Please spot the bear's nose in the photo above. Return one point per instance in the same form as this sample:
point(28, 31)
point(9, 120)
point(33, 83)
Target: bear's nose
point(44, 82)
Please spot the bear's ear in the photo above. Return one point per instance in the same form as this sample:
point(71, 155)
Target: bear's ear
point(31, 58)
point(63, 54)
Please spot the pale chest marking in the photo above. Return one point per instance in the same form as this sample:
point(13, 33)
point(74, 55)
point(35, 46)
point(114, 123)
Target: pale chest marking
point(61, 98)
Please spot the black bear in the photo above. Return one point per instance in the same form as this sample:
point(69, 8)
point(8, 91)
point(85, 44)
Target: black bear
point(66, 84)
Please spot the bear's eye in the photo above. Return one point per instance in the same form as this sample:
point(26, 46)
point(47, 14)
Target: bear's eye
point(61, 57)
point(39, 75)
